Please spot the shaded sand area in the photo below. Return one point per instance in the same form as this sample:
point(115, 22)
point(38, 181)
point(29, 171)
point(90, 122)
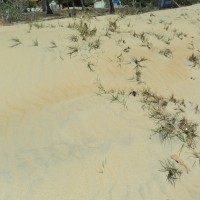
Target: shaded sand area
point(69, 128)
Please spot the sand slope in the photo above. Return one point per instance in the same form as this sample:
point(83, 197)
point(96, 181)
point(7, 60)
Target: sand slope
point(62, 141)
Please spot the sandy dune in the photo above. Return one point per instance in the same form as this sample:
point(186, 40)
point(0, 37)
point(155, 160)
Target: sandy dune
point(62, 141)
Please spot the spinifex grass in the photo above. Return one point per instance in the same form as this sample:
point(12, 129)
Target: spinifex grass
point(195, 60)
point(118, 96)
point(138, 74)
point(113, 25)
point(83, 29)
point(73, 38)
point(90, 66)
point(94, 44)
point(16, 41)
point(166, 52)
point(35, 42)
point(166, 127)
point(119, 58)
point(138, 61)
point(158, 113)
point(191, 46)
point(127, 49)
point(170, 125)
point(121, 42)
point(159, 36)
point(142, 36)
point(73, 50)
point(53, 44)
point(162, 38)
point(188, 132)
point(196, 109)
point(152, 99)
point(173, 172)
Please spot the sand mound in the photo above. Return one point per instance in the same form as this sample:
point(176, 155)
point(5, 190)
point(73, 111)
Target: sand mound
point(70, 129)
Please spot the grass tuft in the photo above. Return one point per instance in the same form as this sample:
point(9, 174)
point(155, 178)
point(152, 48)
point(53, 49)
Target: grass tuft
point(16, 41)
point(73, 38)
point(112, 26)
point(94, 45)
point(173, 173)
point(118, 96)
point(35, 42)
point(195, 60)
point(73, 50)
point(83, 29)
point(90, 66)
point(53, 44)
point(166, 52)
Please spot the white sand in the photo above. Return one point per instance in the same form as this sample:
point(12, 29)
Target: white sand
point(61, 141)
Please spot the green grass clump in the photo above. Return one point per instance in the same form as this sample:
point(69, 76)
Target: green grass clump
point(173, 173)
point(171, 125)
point(94, 45)
point(195, 60)
point(83, 29)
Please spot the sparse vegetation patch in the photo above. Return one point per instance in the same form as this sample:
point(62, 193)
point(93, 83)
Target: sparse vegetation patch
point(171, 124)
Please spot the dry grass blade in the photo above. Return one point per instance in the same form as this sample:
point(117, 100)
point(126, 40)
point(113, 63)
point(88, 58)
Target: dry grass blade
point(90, 66)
